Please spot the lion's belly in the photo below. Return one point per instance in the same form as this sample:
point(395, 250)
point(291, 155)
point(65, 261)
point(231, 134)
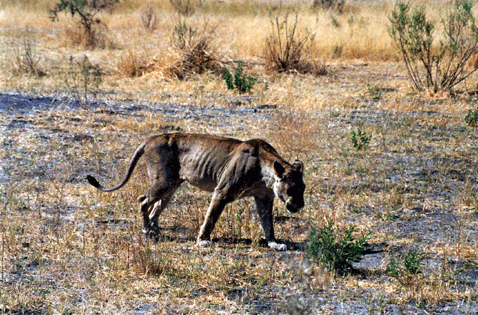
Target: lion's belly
point(202, 183)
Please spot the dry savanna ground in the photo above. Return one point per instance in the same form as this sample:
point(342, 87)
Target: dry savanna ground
point(73, 105)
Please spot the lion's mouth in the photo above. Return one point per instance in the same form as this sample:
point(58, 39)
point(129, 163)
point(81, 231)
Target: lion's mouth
point(292, 207)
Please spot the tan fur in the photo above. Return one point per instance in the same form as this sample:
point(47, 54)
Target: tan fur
point(230, 168)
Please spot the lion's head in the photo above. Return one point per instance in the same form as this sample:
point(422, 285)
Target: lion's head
point(289, 186)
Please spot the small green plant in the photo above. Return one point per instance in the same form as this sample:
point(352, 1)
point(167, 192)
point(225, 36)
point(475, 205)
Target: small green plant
point(334, 253)
point(413, 260)
point(83, 78)
point(394, 269)
point(183, 35)
point(374, 91)
point(335, 22)
point(241, 81)
point(445, 65)
point(337, 50)
point(412, 265)
point(471, 118)
point(360, 139)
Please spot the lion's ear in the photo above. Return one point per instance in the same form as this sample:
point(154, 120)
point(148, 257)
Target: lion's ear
point(298, 165)
point(278, 169)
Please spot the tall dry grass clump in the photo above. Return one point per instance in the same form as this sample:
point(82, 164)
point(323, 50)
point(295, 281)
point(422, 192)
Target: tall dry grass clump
point(194, 48)
point(149, 16)
point(134, 63)
point(288, 48)
point(25, 60)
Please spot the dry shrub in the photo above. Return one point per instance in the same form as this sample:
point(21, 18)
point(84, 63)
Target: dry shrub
point(185, 7)
point(76, 36)
point(196, 50)
point(335, 5)
point(26, 61)
point(90, 31)
point(133, 63)
point(288, 49)
point(149, 17)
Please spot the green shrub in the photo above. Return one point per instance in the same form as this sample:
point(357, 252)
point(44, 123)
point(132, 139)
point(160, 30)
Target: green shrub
point(412, 265)
point(444, 65)
point(413, 260)
point(241, 81)
point(336, 254)
point(86, 10)
point(471, 118)
point(360, 139)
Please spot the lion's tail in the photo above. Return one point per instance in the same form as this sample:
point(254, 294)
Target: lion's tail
point(134, 160)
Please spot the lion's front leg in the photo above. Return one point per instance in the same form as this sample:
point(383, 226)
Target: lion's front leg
point(214, 211)
point(264, 209)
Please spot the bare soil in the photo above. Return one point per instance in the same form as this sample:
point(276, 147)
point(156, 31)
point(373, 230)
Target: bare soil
point(410, 188)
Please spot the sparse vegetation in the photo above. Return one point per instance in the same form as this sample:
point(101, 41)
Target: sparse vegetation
point(471, 118)
point(26, 61)
point(149, 17)
point(240, 81)
point(337, 253)
point(83, 79)
point(337, 5)
point(288, 47)
point(360, 139)
point(444, 66)
point(66, 248)
point(86, 11)
point(195, 47)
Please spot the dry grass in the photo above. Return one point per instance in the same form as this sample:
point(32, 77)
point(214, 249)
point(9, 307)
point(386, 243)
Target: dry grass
point(67, 248)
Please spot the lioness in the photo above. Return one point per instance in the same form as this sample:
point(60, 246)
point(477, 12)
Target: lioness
point(231, 168)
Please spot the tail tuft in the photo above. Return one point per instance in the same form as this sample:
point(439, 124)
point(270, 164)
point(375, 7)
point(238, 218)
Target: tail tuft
point(93, 182)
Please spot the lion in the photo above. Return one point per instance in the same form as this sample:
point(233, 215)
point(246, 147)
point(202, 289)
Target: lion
point(232, 169)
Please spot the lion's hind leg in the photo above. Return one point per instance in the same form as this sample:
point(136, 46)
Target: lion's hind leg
point(152, 205)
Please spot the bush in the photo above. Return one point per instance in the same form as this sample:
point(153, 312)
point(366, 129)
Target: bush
point(337, 5)
point(413, 260)
point(241, 81)
point(25, 60)
point(444, 66)
point(288, 49)
point(185, 7)
point(337, 254)
point(196, 49)
point(86, 10)
point(471, 118)
point(412, 266)
point(360, 139)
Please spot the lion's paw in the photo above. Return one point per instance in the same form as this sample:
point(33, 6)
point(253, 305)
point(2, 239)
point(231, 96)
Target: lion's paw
point(204, 243)
point(276, 246)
